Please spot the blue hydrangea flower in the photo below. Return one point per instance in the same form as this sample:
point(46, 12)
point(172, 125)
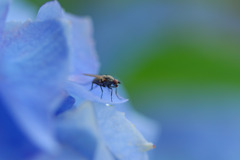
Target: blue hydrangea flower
point(47, 110)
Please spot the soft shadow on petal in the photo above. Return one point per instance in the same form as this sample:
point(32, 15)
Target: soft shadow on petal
point(14, 144)
point(83, 93)
point(67, 104)
point(3, 13)
point(33, 67)
point(120, 135)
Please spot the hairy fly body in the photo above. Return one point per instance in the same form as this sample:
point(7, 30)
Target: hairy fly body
point(105, 81)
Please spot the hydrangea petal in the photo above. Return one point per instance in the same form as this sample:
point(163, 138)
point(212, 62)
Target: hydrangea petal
point(34, 60)
point(148, 127)
point(103, 152)
point(84, 58)
point(65, 154)
point(77, 129)
point(50, 10)
point(73, 132)
point(3, 14)
point(14, 144)
point(120, 135)
point(83, 93)
point(67, 104)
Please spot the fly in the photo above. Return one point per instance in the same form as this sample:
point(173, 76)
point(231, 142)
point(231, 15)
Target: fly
point(105, 81)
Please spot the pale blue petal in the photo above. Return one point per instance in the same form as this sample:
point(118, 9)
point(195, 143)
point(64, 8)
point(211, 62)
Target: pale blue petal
point(77, 130)
point(83, 93)
point(120, 135)
point(65, 154)
point(34, 60)
point(79, 140)
point(84, 58)
point(50, 10)
point(148, 127)
point(103, 152)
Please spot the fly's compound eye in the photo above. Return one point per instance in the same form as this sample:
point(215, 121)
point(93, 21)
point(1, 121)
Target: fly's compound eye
point(115, 81)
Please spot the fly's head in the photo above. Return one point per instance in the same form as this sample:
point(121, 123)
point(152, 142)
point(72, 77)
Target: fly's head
point(115, 83)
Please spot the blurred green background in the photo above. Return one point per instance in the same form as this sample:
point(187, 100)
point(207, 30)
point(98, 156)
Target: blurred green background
point(179, 62)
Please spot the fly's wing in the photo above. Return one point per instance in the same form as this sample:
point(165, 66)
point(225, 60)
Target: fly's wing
point(93, 75)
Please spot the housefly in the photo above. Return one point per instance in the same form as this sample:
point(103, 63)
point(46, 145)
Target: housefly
point(105, 81)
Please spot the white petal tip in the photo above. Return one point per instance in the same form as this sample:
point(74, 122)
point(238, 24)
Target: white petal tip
point(147, 146)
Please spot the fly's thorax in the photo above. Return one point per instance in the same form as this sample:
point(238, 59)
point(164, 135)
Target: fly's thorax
point(108, 77)
point(96, 80)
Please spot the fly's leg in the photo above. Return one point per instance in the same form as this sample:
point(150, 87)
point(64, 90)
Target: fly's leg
point(102, 91)
point(117, 94)
point(110, 88)
point(111, 94)
point(91, 87)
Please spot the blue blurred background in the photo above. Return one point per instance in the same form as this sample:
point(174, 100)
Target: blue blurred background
point(179, 62)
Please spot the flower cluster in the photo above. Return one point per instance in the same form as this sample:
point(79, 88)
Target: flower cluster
point(47, 111)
